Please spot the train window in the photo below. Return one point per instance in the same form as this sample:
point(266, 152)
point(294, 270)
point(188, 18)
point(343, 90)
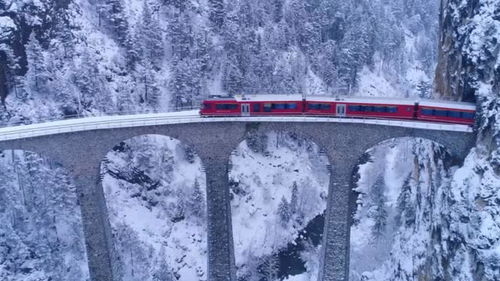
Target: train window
point(442, 113)
point(454, 114)
point(325, 106)
point(267, 107)
point(369, 108)
point(353, 108)
point(468, 115)
point(380, 109)
point(291, 106)
point(278, 106)
point(256, 107)
point(427, 111)
point(226, 106)
point(314, 106)
point(392, 109)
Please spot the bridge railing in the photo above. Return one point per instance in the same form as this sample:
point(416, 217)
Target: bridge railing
point(13, 121)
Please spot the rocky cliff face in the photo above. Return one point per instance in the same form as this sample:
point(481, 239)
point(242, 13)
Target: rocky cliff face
point(469, 69)
point(468, 51)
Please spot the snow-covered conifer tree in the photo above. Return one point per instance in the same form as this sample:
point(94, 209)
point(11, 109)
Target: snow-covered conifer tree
point(118, 20)
point(217, 13)
point(284, 211)
point(37, 77)
point(149, 37)
point(294, 200)
point(197, 201)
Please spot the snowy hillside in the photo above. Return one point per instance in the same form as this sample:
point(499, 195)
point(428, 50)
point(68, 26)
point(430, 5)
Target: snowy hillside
point(279, 186)
point(41, 234)
point(155, 193)
point(142, 56)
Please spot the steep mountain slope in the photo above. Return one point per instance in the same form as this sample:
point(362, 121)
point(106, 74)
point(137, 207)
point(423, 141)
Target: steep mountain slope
point(81, 57)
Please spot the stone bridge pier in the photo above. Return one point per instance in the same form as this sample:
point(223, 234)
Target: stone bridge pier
point(344, 143)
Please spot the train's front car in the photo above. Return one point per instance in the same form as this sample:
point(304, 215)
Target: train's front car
point(220, 106)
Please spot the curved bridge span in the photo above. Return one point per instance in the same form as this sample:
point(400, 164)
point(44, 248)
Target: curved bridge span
point(81, 144)
point(185, 117)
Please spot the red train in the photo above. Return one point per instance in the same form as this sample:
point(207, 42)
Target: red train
point(355, 107)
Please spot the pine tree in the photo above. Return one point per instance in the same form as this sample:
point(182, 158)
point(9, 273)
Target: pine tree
point(36, 77)
point(149, 36)
point(277, 10)
point(181, 36)
point(217, 13)
point(90, 83)
point(185, 84)
point(295, 199)
point(147, 89)
point(9, 80)
point(233, 78)
point(118, 20)
point(133, 48)
point(380, 214)
point(270, 268)
point(284, 211)
point(197, 201)
point(347, 71)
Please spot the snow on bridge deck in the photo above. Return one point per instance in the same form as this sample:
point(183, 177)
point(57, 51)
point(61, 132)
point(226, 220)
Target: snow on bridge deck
point(192, 116)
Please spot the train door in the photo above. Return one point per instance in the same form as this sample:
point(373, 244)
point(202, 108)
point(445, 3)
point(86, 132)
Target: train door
point(245, 109)
point(340, 110)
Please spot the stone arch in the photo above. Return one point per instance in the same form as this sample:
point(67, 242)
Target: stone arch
point(402, 181)
point(164, 234)
point(453, 146)
point(41, 218)
point(294, 141)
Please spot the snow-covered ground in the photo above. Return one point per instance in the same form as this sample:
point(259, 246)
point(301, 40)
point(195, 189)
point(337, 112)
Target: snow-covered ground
point(279, 183)
point(155, 192)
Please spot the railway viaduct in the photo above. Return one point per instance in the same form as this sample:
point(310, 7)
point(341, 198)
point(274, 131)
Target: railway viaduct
point(81, 148)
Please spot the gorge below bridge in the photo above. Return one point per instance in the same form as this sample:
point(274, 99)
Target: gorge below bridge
point(81, 144)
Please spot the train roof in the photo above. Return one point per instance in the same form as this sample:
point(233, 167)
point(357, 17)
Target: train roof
point(374, 100)
point(452, 104)
point(349, 99)
point(269, 98)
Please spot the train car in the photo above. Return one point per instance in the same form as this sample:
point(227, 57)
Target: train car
point(260, 105)
point(449, 112)
point(220, 106)
point(361, 107)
